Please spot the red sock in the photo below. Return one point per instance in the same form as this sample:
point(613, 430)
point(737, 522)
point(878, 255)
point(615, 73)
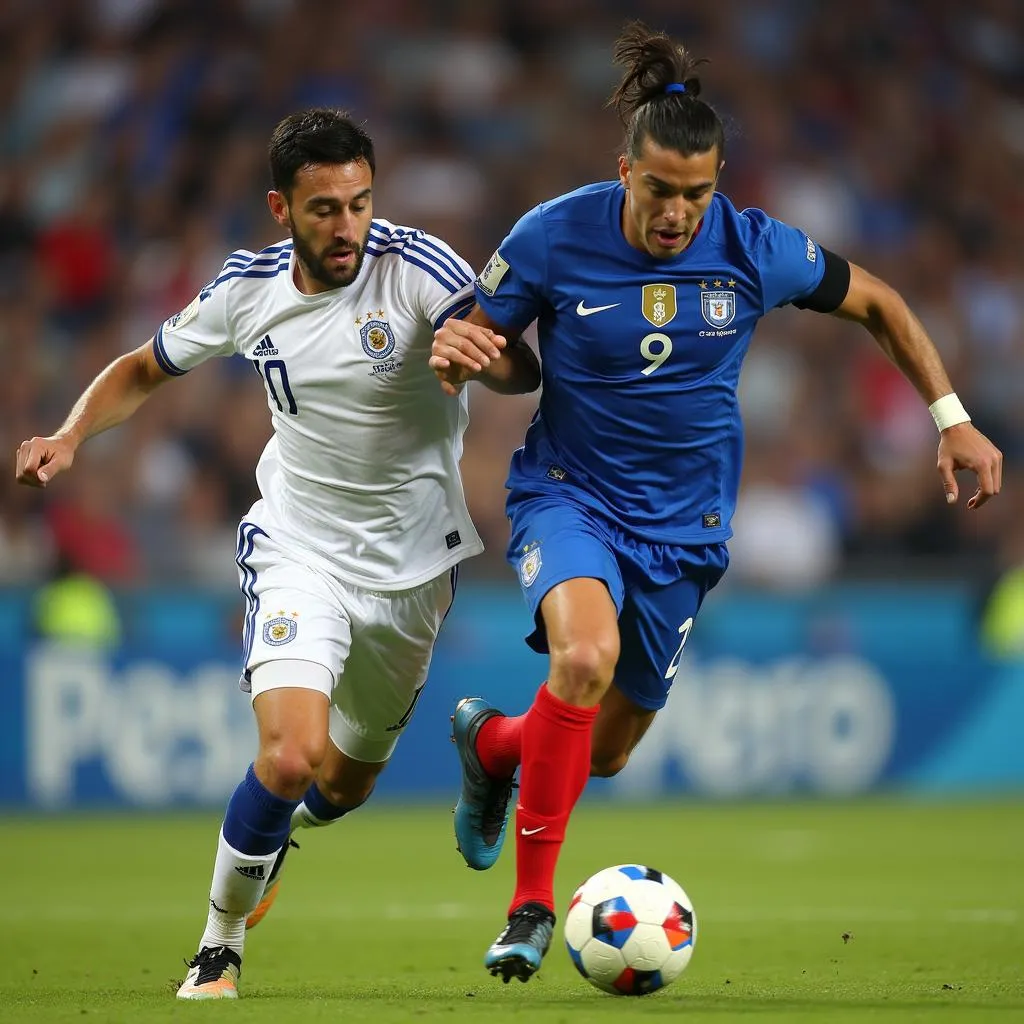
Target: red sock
point(499, 745)
point(556, 765)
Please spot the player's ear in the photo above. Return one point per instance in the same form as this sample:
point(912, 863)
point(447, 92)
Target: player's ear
point(623, 170)
point(278, 207)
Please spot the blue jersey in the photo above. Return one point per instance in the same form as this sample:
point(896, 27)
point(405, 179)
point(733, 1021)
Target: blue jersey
point(641, 356)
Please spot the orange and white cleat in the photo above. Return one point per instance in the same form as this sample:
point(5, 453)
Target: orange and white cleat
point(270, 892)
point(212, 974)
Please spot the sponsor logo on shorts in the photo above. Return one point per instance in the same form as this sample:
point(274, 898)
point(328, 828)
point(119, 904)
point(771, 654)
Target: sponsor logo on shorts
point(712, 520)
point(280, 629)
point(453, 539)
point(529, 565)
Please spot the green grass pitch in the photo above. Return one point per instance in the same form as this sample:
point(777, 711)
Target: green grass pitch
point(872, 910)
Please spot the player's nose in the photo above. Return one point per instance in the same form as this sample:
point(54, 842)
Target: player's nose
point(674, 212)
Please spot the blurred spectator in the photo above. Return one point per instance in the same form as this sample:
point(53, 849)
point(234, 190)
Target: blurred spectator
point(133, 136)
point(76, 609)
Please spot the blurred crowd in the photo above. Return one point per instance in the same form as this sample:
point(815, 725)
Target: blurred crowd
point(132, 160)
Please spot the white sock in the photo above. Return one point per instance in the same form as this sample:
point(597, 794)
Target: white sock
point(238, 883)
point(303, 817)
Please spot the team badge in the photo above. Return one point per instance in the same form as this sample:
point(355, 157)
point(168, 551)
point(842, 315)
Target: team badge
point(529, 565)
point(490, 277)
point(190, 312)
point(659, 303)
point(280, 630)
point(718, 307)
point(378, 339)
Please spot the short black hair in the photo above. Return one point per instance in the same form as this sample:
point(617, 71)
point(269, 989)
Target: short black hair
point(319, 135)
point(659, 95)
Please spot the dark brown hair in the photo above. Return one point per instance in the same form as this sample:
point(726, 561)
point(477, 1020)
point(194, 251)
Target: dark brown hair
point(659, 95)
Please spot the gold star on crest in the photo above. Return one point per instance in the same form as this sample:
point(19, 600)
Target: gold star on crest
point(380, 313)
point(359, 320)
point(369, 314)
point(731, 283)
point(703, 284)
point(718, 283)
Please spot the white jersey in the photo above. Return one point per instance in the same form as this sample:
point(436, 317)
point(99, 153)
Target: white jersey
point(363, 467)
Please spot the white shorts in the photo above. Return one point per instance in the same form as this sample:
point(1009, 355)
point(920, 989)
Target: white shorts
point(375, 645)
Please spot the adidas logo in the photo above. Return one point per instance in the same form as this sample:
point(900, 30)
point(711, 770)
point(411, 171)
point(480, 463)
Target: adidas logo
point(257, 872)
point(264, 348)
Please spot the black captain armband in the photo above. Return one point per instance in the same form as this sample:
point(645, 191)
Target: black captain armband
point(832, 287)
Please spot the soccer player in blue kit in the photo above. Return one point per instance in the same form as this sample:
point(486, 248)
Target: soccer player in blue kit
point(646, 291)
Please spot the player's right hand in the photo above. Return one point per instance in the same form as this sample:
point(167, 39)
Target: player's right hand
point(462, 350)
point(40, 459)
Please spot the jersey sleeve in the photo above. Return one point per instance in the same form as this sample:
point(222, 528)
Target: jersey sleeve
point(510, 289)
point(199, 332)
point(790, 263)
point(438, 280)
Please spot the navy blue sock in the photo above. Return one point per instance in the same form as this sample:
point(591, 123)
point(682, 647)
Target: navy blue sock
point(320, 807)
point(257, 822)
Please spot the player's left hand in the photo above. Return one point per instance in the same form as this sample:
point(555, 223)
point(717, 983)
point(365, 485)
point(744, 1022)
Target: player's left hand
point(965, 447)
point(462, 350)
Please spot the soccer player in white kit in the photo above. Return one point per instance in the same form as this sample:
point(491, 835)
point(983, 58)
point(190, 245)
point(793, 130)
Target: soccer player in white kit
point(348, 561)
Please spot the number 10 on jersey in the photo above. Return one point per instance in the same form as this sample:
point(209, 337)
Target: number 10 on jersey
point(270, 369)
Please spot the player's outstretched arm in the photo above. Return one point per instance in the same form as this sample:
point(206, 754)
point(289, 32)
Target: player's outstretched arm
point(904, 340)
point(477, 348)
point(110, 399)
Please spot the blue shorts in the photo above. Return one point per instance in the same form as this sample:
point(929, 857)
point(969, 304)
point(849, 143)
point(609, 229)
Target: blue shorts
point(657, 588)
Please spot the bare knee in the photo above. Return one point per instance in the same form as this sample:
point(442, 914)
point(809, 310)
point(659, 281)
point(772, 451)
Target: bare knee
point(287, 765)
point(581, 671)
point(605, 764)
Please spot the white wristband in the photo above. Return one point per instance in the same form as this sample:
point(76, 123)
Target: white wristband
point(948, 411)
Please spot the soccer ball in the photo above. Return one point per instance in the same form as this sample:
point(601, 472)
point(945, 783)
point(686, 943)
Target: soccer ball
point(630, 930)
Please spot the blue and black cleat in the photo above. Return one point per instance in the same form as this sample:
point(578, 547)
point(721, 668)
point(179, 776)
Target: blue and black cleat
point(518, 951)
point(481, 814)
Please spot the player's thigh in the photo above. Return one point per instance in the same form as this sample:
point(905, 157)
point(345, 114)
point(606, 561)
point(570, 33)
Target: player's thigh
point(654, 626)
point(580, 622)
point(393, 637)
point(293, 614)
point(568, 573)
point(619, 726)
point(291, 704)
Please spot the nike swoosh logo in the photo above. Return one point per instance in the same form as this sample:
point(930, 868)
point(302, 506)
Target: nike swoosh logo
point(585, 311)
point(540, 828)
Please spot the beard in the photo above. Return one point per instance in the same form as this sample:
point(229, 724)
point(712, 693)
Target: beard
point(316, 265)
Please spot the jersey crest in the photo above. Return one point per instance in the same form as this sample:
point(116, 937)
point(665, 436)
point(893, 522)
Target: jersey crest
point(378, 339)
point(529, 564)
point(718, 307)
point(659, 303)
point(280, 629)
